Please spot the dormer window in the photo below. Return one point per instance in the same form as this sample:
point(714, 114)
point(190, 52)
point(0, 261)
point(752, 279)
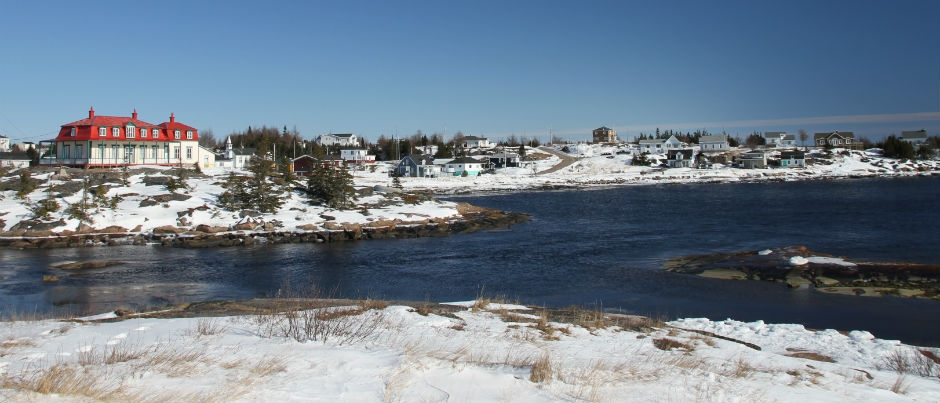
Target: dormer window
point(143, 133)
point(176, 134)
point(155, 133)
point(72, 132)
point(189, 135)
point(102, 132)
point(131, 131)
point(115, 132)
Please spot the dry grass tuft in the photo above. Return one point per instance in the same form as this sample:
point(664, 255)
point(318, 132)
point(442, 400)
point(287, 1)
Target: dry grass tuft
point(117, 353)
point(541, 370)
point(742, 368)
point(61, 379)
point(369, 303)
point(209, 327)
point(269, 366)
point(809, 355)
point(911, 361)
point(667, 344)
point(900, 385)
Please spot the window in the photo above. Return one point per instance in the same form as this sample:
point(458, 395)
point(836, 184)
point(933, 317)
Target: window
point(155, 133)
point(66, 152)
point(189, 153)
point(153, 152)
point(115, 132)
point(131, 131)
point(102, 132)
point(72, 132)
point(176, 134)
point(101, 151)
point(128, 154)
point(79, 152)
point(176, 151)
point(114, 151)
point(189, 135)
point(143, 133)
point(166, 151)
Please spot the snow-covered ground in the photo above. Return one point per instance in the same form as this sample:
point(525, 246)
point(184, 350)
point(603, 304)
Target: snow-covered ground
point(482, 353)
point(135, 214)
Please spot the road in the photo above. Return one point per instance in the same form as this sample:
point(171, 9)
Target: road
point(566, 160)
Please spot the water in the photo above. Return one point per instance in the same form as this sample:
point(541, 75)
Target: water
point(600, 248)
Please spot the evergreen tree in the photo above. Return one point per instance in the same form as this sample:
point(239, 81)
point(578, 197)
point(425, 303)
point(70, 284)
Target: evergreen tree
point(331, 185)
point(266, 196)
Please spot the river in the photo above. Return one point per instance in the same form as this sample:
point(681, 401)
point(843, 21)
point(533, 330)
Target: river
point(596, 248)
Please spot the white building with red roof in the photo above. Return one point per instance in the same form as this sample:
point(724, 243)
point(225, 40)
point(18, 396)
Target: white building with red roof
point(108, 141)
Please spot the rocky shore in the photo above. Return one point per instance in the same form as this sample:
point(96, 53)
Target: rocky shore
point(251, 232)
point(798, 267)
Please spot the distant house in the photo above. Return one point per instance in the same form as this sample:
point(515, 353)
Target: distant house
point(477, 142)
point(460, 165)
point(701, 161)
point(417, 166)
point(713, 143)
point(604, 134)
point(357, 156)
point(342, 140)
point(916, 137)
point(789, 159)
point(753, 160)
point(303, 165)
point(430, 149)
point(234, 158)
point(504, 159)
point(836, 139)
point(680, 158)
point(779, 139)
point(14, 160)
point(659, 146)
point(4, 144)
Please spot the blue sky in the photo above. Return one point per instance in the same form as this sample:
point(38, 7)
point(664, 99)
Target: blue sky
point(488, 68)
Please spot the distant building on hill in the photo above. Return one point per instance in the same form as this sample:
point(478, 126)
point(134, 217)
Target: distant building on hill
point(109, 141)
point(836, 139)
point(916, 137)
point(342, 140)
point(604, 134)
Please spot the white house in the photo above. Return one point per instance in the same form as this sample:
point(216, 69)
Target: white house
point(430, 149)
point(342, 140)
point(789, 159)
point(660, 146)
point(4, 144)
point(780, 139)
point(14, 160)
point(477, 142)
point(234, 158)
point(458, 166)
point(916, 137)
point(714, 143)
point(356, 156)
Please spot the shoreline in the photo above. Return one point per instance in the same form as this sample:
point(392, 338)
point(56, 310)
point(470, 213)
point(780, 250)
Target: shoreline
point(476, 219)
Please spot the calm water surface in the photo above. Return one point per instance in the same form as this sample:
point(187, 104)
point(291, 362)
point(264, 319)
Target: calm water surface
point(598, 248)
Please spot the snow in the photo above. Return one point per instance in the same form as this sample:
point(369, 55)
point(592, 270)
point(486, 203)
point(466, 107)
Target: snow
point(829, 260)
point(798, 261)
point(471, 355)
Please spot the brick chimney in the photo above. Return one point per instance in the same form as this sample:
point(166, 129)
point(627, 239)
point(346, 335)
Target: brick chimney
point(134, 115)
point(172, 118)
point(91, 113)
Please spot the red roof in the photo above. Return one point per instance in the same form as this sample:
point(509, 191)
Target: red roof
point(84, 129)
